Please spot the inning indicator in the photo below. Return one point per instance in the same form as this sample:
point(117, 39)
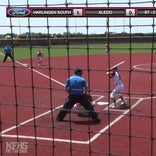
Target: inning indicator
point(80, 12)
point(146, 12)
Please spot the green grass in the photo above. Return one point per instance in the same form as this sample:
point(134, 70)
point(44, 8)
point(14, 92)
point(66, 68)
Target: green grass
point(56, 51)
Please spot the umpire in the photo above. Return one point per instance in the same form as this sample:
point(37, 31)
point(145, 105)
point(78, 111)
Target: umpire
point(77, 87)
point(8, 53)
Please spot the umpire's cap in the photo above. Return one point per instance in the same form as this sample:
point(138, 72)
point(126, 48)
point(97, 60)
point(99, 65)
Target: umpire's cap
point(78, 71)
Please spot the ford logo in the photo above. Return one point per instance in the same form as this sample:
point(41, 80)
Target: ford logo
point(18, 12)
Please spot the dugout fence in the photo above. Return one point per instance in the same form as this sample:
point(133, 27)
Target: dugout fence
point(32, 94)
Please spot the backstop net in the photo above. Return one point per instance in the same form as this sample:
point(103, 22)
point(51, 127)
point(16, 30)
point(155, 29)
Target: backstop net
point(42, 42)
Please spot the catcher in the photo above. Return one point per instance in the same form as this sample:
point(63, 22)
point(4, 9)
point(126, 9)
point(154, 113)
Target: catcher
point(80, 110)
point(117, 91)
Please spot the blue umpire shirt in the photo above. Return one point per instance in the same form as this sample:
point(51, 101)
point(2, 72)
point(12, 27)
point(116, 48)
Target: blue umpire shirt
point(8, 50)
point(76, 85)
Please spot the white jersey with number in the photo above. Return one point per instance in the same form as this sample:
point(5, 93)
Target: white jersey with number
point(119, 85)
point(117, 79)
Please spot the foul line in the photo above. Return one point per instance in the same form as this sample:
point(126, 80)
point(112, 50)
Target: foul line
point(114, 121)
point(27, 121)
point(67, 140)
point(36, 71)
point(45, 113)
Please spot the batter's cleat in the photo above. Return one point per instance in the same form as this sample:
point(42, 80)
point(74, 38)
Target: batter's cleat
point(114, 106)
point(124, 103)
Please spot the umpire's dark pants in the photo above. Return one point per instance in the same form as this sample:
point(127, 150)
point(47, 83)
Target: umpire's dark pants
point(73, 99)
point(8, 55)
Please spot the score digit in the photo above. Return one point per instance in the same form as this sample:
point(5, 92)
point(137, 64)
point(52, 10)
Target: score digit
point(77, 12)
point(130, 12)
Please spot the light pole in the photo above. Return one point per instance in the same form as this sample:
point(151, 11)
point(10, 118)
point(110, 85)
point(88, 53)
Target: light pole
point(67, 19)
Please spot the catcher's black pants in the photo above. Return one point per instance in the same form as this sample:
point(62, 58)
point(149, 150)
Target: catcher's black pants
point(8, 55)
point(72, 99)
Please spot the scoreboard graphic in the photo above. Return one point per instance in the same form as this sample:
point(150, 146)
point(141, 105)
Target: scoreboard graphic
point(80, 12)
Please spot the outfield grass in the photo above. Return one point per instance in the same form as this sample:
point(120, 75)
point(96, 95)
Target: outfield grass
point(26, 52)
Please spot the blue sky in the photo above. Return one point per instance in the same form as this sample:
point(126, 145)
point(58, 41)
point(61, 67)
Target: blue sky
point(57, 25)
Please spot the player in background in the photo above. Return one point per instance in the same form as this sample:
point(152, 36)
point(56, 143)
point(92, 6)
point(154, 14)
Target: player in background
point(40, 57)
point(107, 48)
point(8, 53)
point(117, 91)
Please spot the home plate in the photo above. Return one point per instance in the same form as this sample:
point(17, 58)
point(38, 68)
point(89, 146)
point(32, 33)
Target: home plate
point(102, 103)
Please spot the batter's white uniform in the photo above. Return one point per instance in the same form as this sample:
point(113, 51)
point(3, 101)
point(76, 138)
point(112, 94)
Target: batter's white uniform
point(119, 86)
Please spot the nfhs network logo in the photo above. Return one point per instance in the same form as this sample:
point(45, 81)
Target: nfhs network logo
point(16, 147)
